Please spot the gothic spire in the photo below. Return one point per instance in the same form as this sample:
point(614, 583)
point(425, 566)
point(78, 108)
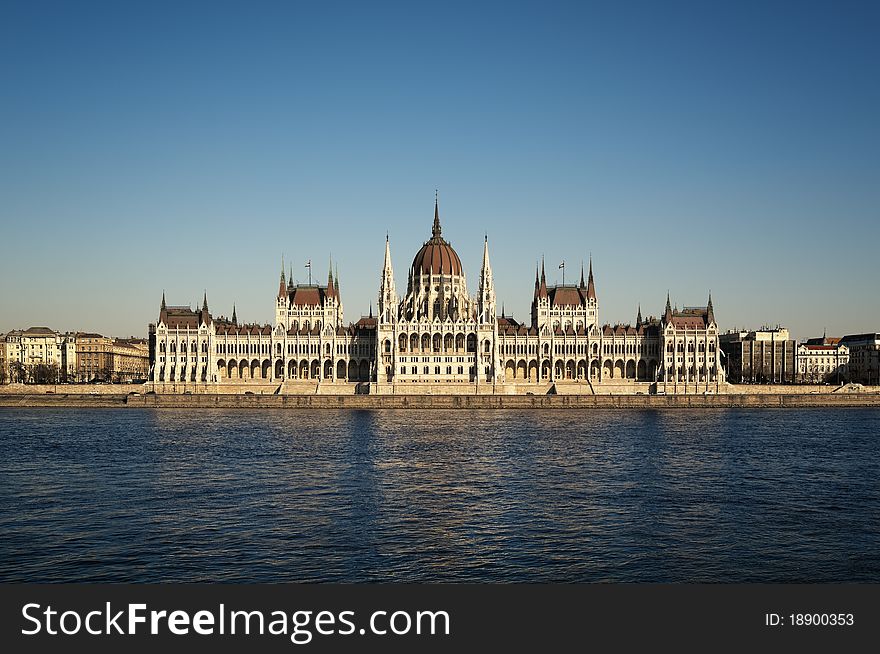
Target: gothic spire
point(486, 267)
point(591, 286)
point(667, 315)
point(542, 290)
point(205, 301)
point(234, 319)
point(582, 274)
point(639, 315)
point(710, 311)
point(163, 301)
point(387, 265)
point(436, 230)
point(282, 285)
point(331, 291)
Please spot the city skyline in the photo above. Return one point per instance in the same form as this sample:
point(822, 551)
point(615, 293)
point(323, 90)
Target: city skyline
point(687, 148)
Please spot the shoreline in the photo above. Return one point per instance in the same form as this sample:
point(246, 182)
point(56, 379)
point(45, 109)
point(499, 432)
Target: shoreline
point(228, 401)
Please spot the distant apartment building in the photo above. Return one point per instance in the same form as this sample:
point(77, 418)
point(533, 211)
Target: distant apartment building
point(131, 359)
point(759, 357)
point(4, 361)
point(864, 357)
point(93, 357)
point(11, 357)
point(102, 358)
point(68, 358)
point(823, 360)
point(36, 354)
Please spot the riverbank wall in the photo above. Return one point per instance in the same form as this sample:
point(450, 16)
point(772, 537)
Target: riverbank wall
point(227, 401)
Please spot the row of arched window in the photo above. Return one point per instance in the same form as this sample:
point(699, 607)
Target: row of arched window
point(173, 347)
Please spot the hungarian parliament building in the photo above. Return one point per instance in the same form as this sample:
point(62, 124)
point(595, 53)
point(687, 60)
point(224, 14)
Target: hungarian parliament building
point(436, 336)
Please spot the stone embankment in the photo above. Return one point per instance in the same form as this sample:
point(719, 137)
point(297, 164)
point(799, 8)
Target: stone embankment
point(867, 398)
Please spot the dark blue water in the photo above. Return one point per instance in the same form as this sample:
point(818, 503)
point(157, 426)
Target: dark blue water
point(712, 495)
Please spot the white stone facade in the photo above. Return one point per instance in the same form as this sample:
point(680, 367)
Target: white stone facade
point(823, 363)
point(438, 334)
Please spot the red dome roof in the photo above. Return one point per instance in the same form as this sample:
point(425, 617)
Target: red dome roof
point(436, 256)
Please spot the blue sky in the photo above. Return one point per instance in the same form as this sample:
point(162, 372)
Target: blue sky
point(687, 146)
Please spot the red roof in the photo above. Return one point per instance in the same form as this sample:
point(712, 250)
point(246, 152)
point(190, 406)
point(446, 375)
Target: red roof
point(307, 295)
point(567, 296)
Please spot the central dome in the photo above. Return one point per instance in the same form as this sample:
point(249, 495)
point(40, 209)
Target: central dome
point(436, 256)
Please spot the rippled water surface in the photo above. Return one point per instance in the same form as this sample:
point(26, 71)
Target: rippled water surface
point(717, 495)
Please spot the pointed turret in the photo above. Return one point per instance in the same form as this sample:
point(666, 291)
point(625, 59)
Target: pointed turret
point(591, 286)
point(487, 287)
point(234, 318)
point(486, 267)
point(387, 293)
point(639, 315)
point(667, 315)
point(331, 289)
point(542, 289)
point(581, 285)
point(163, 310)
point(537, 283)
point(282, 285)
point(205, 316)
point(336, 279)
point(387, 264)
point(710, 311)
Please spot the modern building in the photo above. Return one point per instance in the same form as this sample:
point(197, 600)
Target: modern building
point(766, 355)
point(438, 334)
point(864, 357)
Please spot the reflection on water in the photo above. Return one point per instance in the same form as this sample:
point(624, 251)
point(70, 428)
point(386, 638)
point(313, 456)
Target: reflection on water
point(726, 495)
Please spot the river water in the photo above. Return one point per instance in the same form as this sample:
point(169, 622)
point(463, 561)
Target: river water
point(726, 495)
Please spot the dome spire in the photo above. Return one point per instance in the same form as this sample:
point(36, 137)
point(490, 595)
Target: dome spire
point(436, 230)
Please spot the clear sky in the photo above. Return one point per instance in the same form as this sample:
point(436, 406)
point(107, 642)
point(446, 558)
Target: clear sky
point(184, 146)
